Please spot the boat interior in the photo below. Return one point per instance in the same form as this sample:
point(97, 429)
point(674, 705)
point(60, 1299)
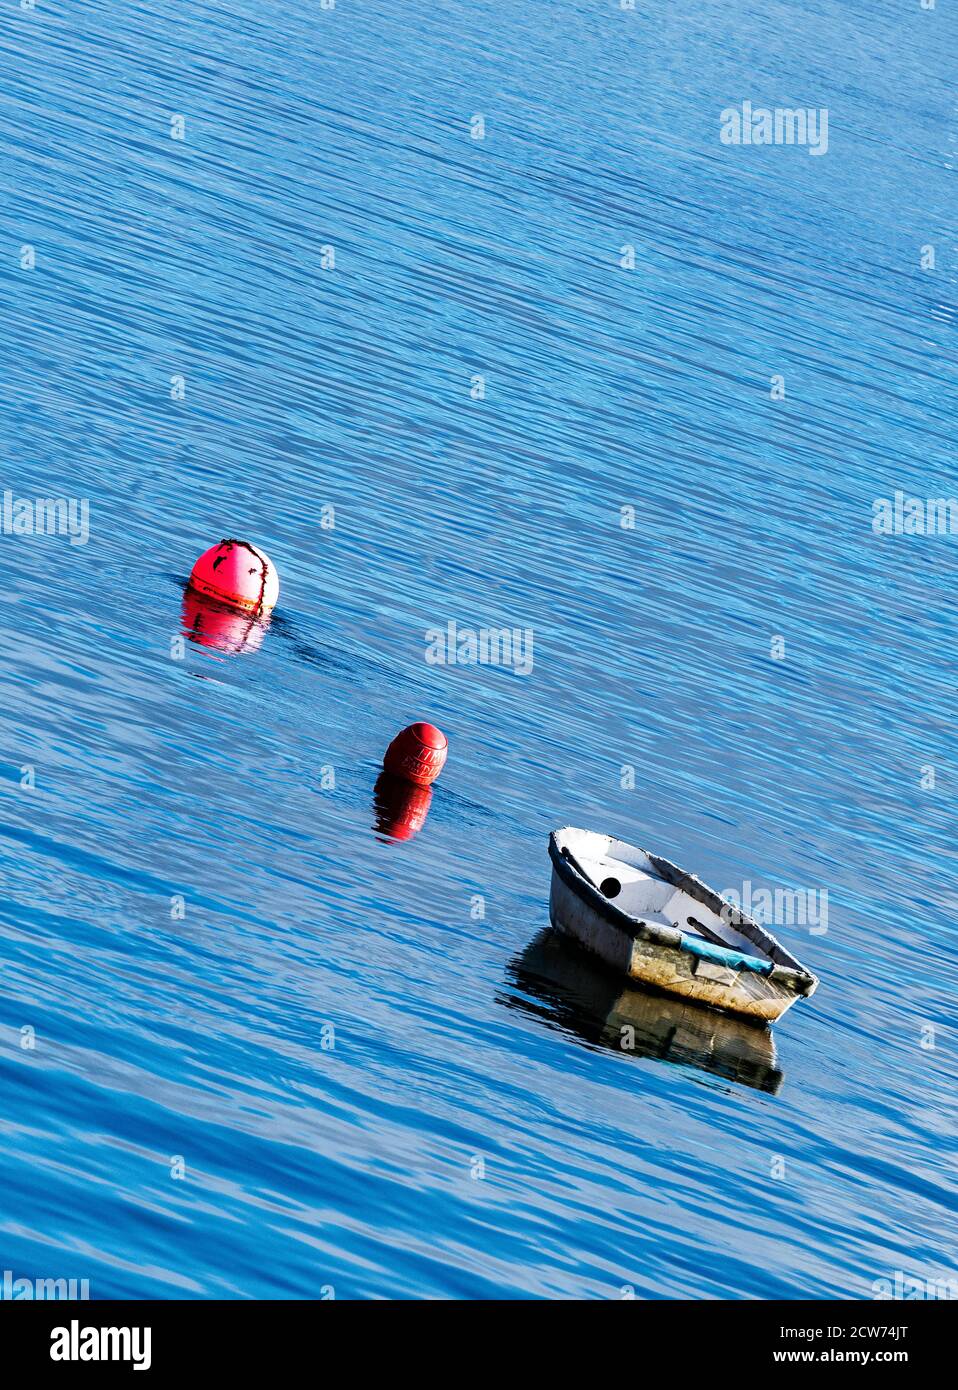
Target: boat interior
point(628, 878)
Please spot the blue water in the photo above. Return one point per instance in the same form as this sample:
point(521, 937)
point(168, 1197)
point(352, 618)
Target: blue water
point(333, 1073)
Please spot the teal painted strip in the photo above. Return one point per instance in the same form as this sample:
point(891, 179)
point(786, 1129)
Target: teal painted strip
point(723, 955)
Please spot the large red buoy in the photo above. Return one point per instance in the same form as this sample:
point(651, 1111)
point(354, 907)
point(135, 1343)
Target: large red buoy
point(418, 754)
point(237, 573)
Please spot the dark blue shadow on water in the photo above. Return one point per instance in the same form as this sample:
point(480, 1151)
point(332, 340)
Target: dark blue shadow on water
point(233, 632)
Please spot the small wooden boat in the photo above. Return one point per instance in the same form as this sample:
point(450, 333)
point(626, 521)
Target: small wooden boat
point(655, 923)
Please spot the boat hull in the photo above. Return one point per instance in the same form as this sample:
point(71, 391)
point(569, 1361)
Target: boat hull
point(662, 965)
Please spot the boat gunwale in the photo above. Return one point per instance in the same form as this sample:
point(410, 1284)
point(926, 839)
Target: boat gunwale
point(795, 978)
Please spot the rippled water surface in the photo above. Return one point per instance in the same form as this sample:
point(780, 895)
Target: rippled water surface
point(374, 1071)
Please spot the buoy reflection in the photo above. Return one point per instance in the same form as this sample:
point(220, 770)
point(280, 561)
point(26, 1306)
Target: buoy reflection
point(227, 630)
point(400, 807)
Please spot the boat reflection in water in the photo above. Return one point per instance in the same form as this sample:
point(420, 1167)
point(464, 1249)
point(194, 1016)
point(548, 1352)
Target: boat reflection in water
point(227, 630)
point(566, 988)
point(400, 807)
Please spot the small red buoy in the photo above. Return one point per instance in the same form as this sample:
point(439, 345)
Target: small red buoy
point(418, 754)
point(236, 573)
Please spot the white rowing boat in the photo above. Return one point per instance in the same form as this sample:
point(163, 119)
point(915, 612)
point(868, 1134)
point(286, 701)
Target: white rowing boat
point(660, 926)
